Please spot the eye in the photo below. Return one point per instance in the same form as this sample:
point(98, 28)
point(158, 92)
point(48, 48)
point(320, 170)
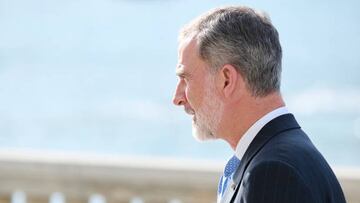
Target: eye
point(185, 79)
point(182, 77)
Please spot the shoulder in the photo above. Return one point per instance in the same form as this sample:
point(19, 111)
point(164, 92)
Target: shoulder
point(291, 147)
point(274, 181)
point(291, 151)
point(284, 169)
point(271, 169)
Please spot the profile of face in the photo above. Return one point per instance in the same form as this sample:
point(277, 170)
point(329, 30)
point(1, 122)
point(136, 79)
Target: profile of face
point(196, 91)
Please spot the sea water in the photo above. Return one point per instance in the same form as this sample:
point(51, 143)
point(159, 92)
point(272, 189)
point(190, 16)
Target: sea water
point(98, 76)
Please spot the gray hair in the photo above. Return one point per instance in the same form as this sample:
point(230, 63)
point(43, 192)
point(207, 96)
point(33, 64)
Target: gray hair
point(244, 38)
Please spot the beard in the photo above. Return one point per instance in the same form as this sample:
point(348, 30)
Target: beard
point(207, 118)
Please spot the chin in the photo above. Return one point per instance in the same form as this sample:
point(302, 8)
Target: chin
point(202, 134)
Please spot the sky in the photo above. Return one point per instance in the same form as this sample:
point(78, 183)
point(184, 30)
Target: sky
point(98, 76)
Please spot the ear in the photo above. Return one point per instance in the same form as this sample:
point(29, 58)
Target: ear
point(229, 79)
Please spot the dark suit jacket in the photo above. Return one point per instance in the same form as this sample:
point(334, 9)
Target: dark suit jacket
point(282, 165)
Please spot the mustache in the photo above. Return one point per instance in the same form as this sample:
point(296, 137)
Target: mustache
point(189, 110)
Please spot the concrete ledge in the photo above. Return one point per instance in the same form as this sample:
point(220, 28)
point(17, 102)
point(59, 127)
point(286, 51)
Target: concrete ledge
point(119, 179)
point(350, 182)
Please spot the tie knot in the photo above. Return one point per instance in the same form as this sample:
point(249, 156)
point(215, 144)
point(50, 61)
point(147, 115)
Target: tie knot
point(231, 166)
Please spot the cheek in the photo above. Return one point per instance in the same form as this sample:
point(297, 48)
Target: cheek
point(188, 94)
point(194, 95)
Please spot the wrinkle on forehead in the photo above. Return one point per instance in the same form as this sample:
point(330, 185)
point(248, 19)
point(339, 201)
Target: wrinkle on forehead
point(187, 49)
point(186, 41)
point(188, 52)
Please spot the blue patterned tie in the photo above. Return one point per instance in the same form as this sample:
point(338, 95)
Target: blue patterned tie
point(230, 168)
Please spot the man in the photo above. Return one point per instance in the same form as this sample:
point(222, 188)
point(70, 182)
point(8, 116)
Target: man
point(229, 81)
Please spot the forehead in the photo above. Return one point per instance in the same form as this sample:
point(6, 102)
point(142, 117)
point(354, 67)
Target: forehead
point(188, 58)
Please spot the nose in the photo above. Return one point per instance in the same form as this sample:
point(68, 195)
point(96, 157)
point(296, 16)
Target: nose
point(179, 96)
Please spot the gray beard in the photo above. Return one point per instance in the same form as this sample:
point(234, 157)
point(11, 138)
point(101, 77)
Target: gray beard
point(208, 117)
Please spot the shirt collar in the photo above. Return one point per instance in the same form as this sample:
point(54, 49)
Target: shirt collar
point(250, 134)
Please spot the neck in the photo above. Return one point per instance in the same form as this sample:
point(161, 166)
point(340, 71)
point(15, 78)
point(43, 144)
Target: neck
point(241, 115)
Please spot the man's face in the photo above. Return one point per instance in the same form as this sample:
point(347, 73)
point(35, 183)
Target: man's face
point(197, 93)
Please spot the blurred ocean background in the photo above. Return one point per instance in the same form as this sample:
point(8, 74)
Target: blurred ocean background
point(98, 76)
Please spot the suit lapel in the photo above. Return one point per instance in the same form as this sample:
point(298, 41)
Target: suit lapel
point(274, 127)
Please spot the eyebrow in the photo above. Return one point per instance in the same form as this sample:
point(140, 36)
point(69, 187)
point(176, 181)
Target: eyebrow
point(180, 70)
